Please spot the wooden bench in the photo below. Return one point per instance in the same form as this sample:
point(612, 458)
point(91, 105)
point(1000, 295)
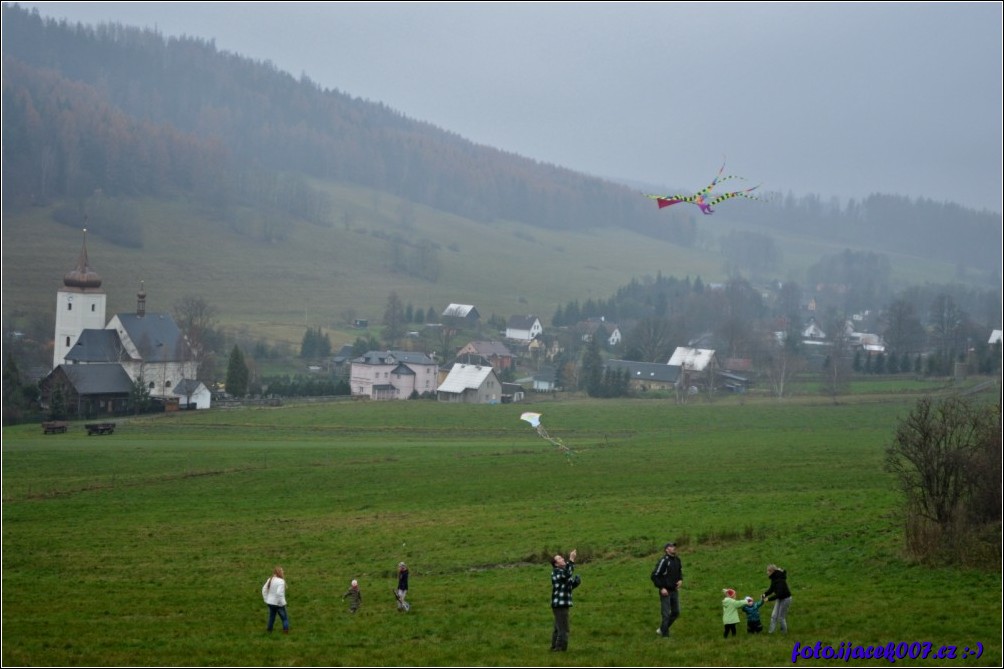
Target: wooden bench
point(54, 426)
point(99, 428)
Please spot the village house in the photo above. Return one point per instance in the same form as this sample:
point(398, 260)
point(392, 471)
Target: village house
point(512, 392)
point(523, 328)
point(492, 353)
point(393, 375)
point(545, 380)
point(698, 366)
point(461, 315)
point(589, 328)
point(646, 376)
point(471, 384)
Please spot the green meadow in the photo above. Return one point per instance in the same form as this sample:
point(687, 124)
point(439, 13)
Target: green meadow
point(150, 546)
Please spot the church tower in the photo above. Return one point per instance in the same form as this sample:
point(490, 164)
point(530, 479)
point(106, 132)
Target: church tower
point(80, 305)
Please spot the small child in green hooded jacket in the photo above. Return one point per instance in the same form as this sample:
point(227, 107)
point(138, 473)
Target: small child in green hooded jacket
point(730, 611)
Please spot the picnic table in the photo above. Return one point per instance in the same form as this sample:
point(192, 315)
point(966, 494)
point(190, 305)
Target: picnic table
point(99, 428)
point(54, 426)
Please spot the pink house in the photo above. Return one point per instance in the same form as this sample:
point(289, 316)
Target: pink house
point(393, 375)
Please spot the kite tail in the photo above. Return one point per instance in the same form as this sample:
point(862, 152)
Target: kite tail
point(556, 441)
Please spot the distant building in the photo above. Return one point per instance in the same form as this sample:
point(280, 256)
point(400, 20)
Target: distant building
point(471, 384)
point(393, 375)
point(147, 348)
point(589, 328)
point(461, 312)
point(512, 392)
point(698, 367)
point(646, 376)
point(545, 380)
point(523, 328)
point(493, 353)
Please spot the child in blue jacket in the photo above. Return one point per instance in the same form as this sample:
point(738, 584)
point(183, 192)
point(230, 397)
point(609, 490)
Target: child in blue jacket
point(752, 611)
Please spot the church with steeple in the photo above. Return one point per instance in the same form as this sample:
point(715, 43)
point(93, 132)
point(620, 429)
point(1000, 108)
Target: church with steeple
point(98, 364)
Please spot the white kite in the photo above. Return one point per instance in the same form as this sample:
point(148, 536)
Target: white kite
point(534, 420)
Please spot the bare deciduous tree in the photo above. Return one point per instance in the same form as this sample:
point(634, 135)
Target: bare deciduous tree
point(946, 456)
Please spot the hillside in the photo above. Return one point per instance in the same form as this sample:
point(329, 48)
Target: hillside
point(285, 205)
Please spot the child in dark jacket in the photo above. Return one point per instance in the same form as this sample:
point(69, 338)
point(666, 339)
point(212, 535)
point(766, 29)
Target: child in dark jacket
point(752, 611)
point(355, 597)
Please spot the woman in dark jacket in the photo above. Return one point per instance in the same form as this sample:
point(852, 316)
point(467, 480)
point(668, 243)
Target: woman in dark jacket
point(778, 591)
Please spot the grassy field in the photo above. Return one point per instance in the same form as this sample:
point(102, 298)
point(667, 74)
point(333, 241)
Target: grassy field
point(150, 546)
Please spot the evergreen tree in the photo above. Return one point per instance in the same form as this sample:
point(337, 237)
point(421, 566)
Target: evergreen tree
point(592, 369)
point(19, 398)
point(237, 374)
point(139, 396)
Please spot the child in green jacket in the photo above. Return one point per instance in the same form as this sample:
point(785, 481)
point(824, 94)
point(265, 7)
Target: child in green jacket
point(730, 611)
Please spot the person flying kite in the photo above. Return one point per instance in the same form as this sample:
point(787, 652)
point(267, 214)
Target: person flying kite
point(702, 198)
point(534, 420)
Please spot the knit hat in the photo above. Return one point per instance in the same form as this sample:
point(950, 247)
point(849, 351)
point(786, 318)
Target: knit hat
point(729, 592)
point(749, 600)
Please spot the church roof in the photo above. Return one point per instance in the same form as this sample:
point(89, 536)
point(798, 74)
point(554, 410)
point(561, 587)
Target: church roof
point(98, 379)
point(83, 276)
point(156, 337)
point(97, 346)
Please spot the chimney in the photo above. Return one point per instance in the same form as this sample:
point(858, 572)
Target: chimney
point(141, 301)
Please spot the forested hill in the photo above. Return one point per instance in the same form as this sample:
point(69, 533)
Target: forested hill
point(159, 113)
point(132, 113)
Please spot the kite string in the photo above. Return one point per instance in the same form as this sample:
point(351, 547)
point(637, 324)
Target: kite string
point(554, 440)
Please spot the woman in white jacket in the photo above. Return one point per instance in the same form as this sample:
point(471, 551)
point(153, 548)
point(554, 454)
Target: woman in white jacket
point(274, 594)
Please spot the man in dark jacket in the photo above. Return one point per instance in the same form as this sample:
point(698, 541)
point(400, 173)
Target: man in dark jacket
point(668, 577)
point(563, 581)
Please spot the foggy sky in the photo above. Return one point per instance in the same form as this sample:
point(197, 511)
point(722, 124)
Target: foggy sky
point(835, 99)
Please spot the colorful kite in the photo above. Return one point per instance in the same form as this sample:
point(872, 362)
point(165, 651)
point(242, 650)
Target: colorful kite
point(702, 198)
point(534, 420)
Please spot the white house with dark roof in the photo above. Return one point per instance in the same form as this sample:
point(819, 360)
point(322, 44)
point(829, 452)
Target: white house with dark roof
point(523, 328)
point(471, 384)
point(591, 326)
point(193, 394)
point(393, 375)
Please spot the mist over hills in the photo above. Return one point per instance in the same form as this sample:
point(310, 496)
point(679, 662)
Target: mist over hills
point(111, 127)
